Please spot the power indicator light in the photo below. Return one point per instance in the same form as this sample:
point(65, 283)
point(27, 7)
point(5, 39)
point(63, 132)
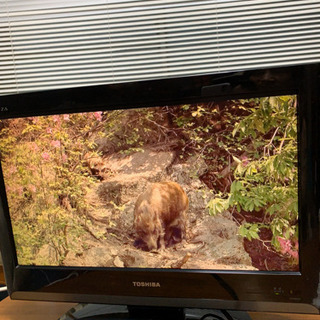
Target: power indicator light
point(278, 291)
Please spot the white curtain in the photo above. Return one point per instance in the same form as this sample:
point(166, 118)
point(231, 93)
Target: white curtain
point(50, 44)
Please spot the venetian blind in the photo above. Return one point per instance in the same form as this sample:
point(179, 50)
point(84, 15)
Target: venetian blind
point(57, 44)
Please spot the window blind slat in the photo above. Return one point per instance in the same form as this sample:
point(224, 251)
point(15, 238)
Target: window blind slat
point(67, 73)
point(168, 14)
point(55, 37)
point(95, 61)
point(57, 44)
point(120, 47)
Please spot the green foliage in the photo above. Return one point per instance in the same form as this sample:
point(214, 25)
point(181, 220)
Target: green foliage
point(217, 205)
point(249, 231)
point(46, 189)
point(250, 147)
point(265, 178)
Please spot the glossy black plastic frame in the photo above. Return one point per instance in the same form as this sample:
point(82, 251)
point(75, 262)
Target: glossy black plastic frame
point(260, 291)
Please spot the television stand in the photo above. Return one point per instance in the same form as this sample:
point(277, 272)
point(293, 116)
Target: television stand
point(122, 312)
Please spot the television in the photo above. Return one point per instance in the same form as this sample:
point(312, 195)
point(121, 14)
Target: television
point(192, 193)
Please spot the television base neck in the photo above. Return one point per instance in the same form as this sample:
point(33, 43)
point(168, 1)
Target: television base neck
point(122, 312)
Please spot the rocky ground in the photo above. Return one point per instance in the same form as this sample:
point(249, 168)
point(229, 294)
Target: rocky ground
point(212, 242)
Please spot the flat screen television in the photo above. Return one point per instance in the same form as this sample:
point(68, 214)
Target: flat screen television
point(196, 192)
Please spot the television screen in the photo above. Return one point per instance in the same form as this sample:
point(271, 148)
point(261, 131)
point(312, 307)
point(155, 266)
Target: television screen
point(209, 185)
point(195, 192)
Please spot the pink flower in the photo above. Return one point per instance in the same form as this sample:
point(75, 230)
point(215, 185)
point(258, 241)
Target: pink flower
point(20, 191)
point(245, 160)
point(285, 245)
point(64, 158)
point(49, 130)
point(294, 254)
point(55, 118)
point(34, 147)
point(34, 119)
point(289, 247)
point(98, 115)
point(66, 117)
point(56, 143)
point(32, 188)
point(13, 169)
point(45, 156)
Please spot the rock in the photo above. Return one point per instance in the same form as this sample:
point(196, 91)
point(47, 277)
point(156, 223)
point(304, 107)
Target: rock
point(98, 257)
point(188, 172)
point(118, 263)
point(222, 242)
point(231, 252)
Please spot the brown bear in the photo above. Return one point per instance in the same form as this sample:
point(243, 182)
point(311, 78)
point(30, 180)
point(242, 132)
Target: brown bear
point(160, 216)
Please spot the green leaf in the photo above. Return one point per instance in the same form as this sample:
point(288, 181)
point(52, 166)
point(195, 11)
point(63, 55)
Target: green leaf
point(217, 205)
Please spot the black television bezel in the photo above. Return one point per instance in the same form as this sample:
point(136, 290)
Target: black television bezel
point(257, 291)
